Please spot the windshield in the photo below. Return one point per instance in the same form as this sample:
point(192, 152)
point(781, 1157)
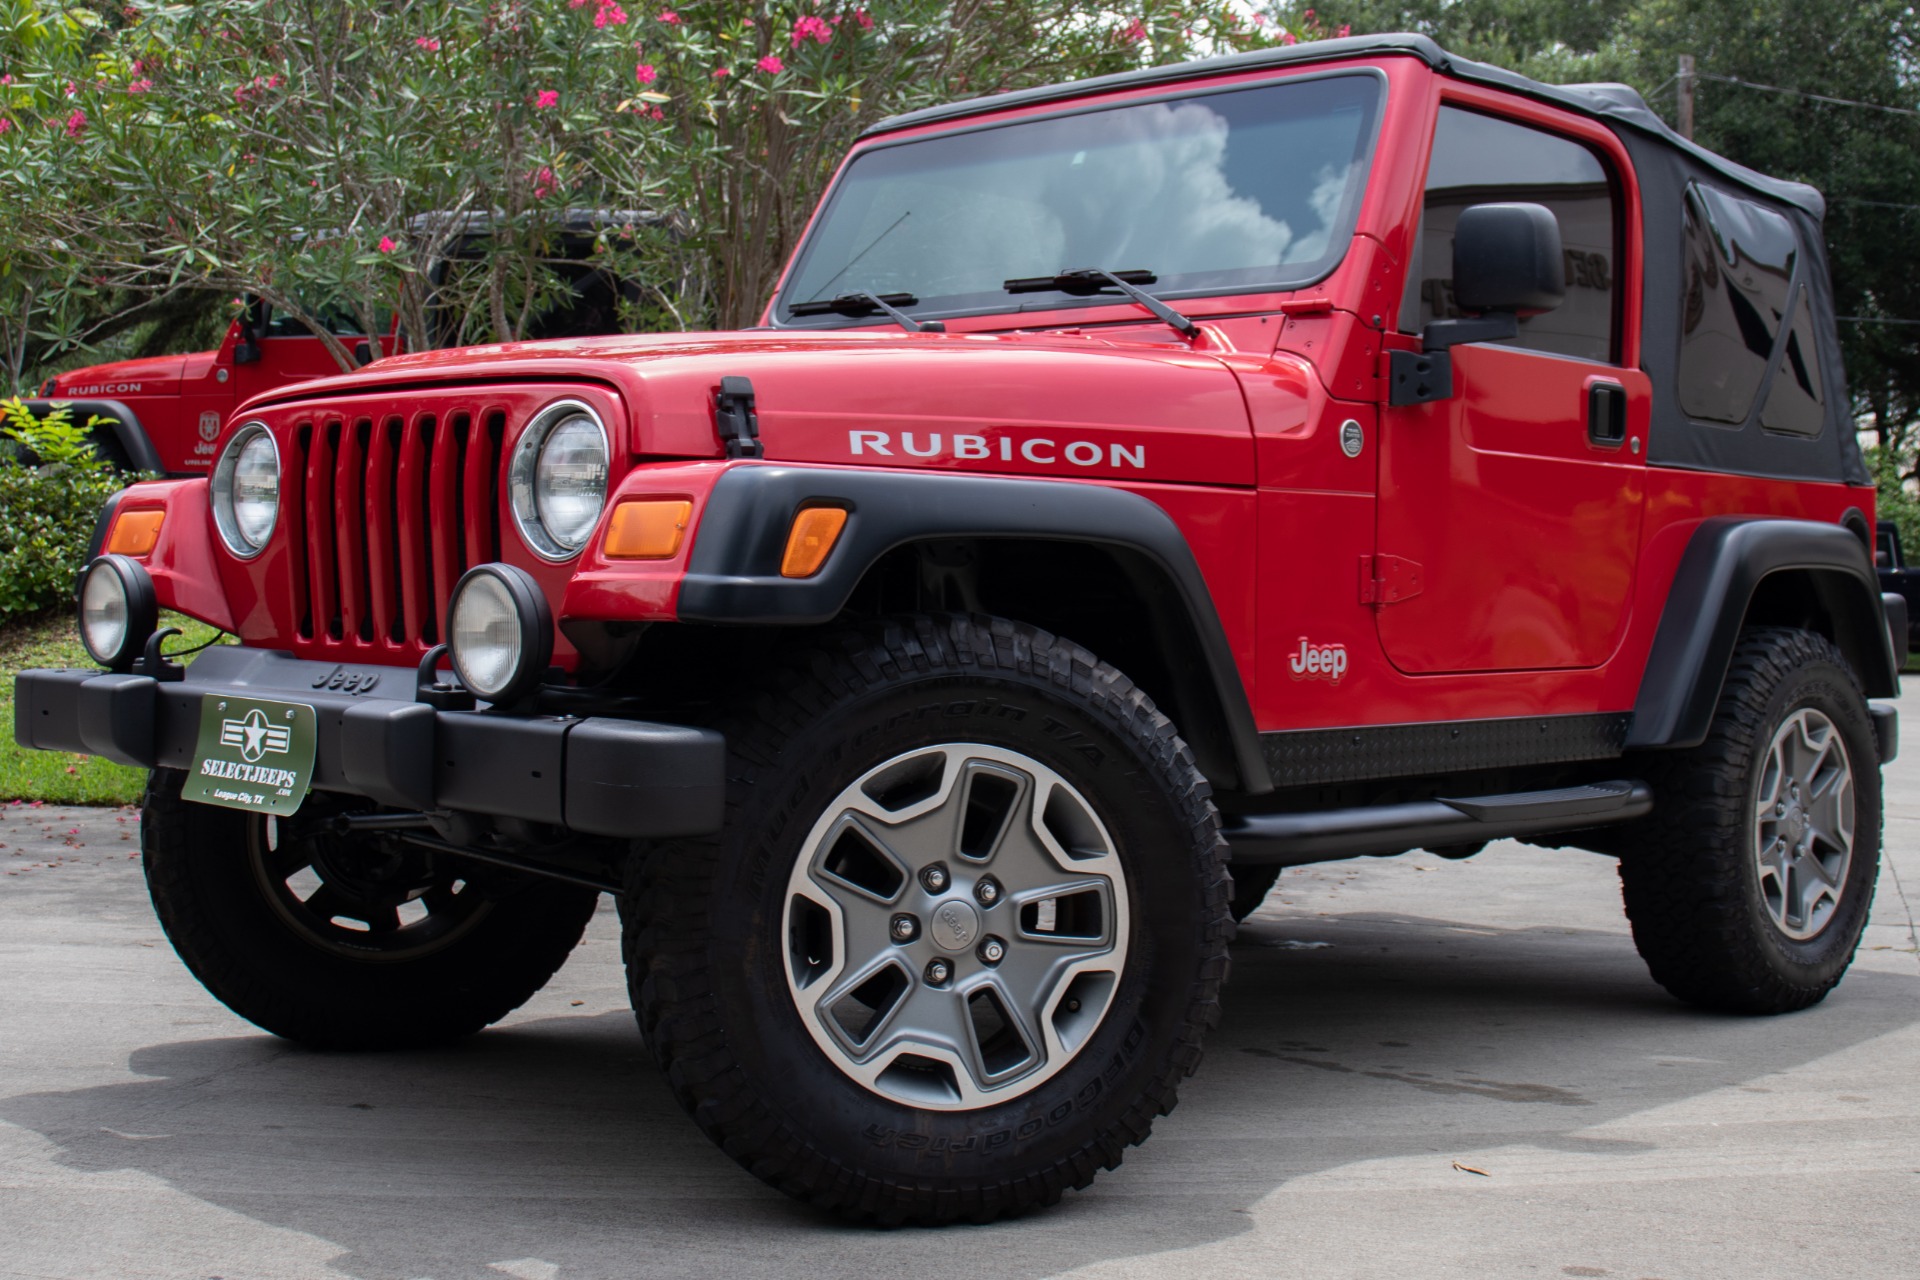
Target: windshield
point(1217, 192)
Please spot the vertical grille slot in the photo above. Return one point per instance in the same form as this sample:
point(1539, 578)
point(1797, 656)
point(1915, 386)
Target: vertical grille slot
point(410, 530)
point(443, 512)
point(323, 579)
point(350, 523)
point(383, 555)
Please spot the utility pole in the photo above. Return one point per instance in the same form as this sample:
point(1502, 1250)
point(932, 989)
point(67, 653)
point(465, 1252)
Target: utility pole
point(1687, 82)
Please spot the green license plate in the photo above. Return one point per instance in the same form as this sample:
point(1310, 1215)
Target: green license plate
point(253, 754)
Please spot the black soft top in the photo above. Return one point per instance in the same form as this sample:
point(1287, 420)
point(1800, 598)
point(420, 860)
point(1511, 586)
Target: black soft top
point(1617, 104)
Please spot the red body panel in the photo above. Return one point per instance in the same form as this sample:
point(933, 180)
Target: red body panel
point(1478, 557)
point(184, 401)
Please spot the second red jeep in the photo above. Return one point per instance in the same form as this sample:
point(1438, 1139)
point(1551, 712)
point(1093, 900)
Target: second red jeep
point(1135, 487)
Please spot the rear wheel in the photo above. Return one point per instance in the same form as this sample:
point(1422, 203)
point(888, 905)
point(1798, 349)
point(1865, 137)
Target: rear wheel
point(347, 941)
point(960, 937)
point(1750, 884)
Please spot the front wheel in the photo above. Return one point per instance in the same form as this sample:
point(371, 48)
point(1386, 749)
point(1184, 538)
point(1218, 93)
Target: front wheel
point(347, 942)
point(960, 937)
point(1749, 885)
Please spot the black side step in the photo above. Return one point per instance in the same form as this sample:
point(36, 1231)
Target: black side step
point(1296, 839)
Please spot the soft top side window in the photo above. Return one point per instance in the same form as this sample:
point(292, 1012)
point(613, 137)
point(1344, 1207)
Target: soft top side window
point(1478, 159)
point(1746, 323)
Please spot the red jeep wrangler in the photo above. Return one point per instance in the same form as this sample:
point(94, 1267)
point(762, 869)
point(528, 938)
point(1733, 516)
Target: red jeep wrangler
point(1136, 487)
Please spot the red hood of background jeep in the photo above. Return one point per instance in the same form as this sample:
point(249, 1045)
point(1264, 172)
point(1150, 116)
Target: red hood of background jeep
point(157, 375)
point(1053, 404)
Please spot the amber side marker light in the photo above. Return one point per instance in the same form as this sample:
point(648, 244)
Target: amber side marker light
point(136, 533)
point(647, 529)
point(811, 540)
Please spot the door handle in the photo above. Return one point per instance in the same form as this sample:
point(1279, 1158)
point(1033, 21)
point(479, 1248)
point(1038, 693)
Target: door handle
point(1606, 415)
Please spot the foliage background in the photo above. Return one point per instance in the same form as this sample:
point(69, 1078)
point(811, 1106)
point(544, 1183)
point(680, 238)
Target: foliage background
point(158, 159)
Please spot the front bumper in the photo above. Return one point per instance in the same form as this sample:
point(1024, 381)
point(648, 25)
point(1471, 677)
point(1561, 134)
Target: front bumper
point(597, 775)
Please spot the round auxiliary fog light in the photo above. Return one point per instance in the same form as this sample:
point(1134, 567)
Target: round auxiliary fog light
point(499, 632)
point(118, 611)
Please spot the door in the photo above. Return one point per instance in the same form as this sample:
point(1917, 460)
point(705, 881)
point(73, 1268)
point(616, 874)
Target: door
point(1509, 514)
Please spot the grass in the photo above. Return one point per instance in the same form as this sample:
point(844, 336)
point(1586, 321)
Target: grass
point(60, 777)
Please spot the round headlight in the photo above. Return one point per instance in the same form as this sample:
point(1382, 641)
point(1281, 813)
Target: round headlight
point(499, 632)
point(558, 479)
point(246, 490)
point(118, 611)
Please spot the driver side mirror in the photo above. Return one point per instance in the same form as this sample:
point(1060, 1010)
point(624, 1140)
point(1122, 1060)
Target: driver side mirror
point(1506, 263)
point(246, 351)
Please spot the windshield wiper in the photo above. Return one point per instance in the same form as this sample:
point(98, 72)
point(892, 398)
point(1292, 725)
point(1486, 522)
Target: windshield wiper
point(1085, 282)
point(861, 303)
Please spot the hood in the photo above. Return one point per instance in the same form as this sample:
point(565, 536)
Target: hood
point(1057, 404)
point(156, 375)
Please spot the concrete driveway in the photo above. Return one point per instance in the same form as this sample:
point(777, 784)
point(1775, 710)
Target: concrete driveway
point(1388, 1022)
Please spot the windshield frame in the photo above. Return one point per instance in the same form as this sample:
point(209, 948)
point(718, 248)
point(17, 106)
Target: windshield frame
point(1344, 227)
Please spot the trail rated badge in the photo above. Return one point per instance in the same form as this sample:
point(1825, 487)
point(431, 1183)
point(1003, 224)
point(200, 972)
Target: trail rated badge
point(253, 754)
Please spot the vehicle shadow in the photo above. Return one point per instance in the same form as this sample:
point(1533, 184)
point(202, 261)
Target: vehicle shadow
point(1346, 1038)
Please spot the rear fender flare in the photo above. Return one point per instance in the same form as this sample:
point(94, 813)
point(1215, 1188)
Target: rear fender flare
point(1727, 562)
point(733, 572)
point(119, 439)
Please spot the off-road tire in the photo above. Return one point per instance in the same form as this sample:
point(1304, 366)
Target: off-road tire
point(219, 920)
point(705, 955)
point(1688, 873)
point(1251, 885)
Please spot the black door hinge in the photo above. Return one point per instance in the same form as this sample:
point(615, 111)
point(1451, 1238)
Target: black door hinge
point(734, 415)
point(1417, 377)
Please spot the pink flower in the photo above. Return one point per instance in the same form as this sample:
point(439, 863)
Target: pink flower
point(6, 79)
point(747, 21)
point(5, 124)
point(771, 65)
point(610, 14)
point(812, 28)
point(860, 16)
point(547, 98)
point(1346, 29)
point(386, 244)
point(656, 114)
point(76, 124)
point(72, 88)
point(669, 17)
point(1287, 37)
point(543, 183)
point(429, 43)
point(721, 73)
point(140, 86)
point(1309, 15)
point(1259, 19)
point(1136, 32)
point(646, 73)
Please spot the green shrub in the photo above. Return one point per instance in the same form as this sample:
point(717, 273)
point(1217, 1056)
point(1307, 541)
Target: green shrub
point(52, 487)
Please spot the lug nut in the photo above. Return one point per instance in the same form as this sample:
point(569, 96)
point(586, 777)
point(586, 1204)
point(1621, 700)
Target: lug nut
point(992, 950)
point(905, 928)
point(935, 878)
point(939, 973)
point(988, 891)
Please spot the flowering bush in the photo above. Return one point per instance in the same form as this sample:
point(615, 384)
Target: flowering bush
point(51, 489)
point(330, 158)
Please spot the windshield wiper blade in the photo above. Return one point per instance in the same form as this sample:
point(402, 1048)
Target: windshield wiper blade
point(1085, 282)
point(861, 303)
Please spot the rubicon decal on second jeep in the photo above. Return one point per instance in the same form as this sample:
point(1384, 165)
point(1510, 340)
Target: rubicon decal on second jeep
point(1318, 662)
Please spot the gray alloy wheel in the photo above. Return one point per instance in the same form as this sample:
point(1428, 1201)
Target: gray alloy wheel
point(1803, 824)
point(956, 925)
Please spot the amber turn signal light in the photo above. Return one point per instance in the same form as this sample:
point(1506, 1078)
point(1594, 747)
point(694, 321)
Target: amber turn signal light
point(136, 533)
point(647, 529)
point(815, 530)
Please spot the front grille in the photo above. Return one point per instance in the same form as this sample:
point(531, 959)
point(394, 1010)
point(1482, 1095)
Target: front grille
point(394, 507)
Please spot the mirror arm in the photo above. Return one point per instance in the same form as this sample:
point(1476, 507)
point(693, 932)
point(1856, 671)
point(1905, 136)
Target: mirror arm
point(1492, 327)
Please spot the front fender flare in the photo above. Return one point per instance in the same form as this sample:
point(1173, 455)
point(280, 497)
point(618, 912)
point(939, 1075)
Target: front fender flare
point(733, 573)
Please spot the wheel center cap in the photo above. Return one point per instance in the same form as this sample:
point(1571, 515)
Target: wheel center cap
point(955, 925)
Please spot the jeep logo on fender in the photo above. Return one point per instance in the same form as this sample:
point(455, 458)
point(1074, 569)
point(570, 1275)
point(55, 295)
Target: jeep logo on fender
point(1044, 450)
point(1318, 662)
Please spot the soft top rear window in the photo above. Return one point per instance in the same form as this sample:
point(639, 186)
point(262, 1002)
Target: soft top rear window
point(1225, 191)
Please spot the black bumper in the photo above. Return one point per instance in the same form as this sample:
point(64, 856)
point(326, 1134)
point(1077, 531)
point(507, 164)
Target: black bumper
point(597, 775)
